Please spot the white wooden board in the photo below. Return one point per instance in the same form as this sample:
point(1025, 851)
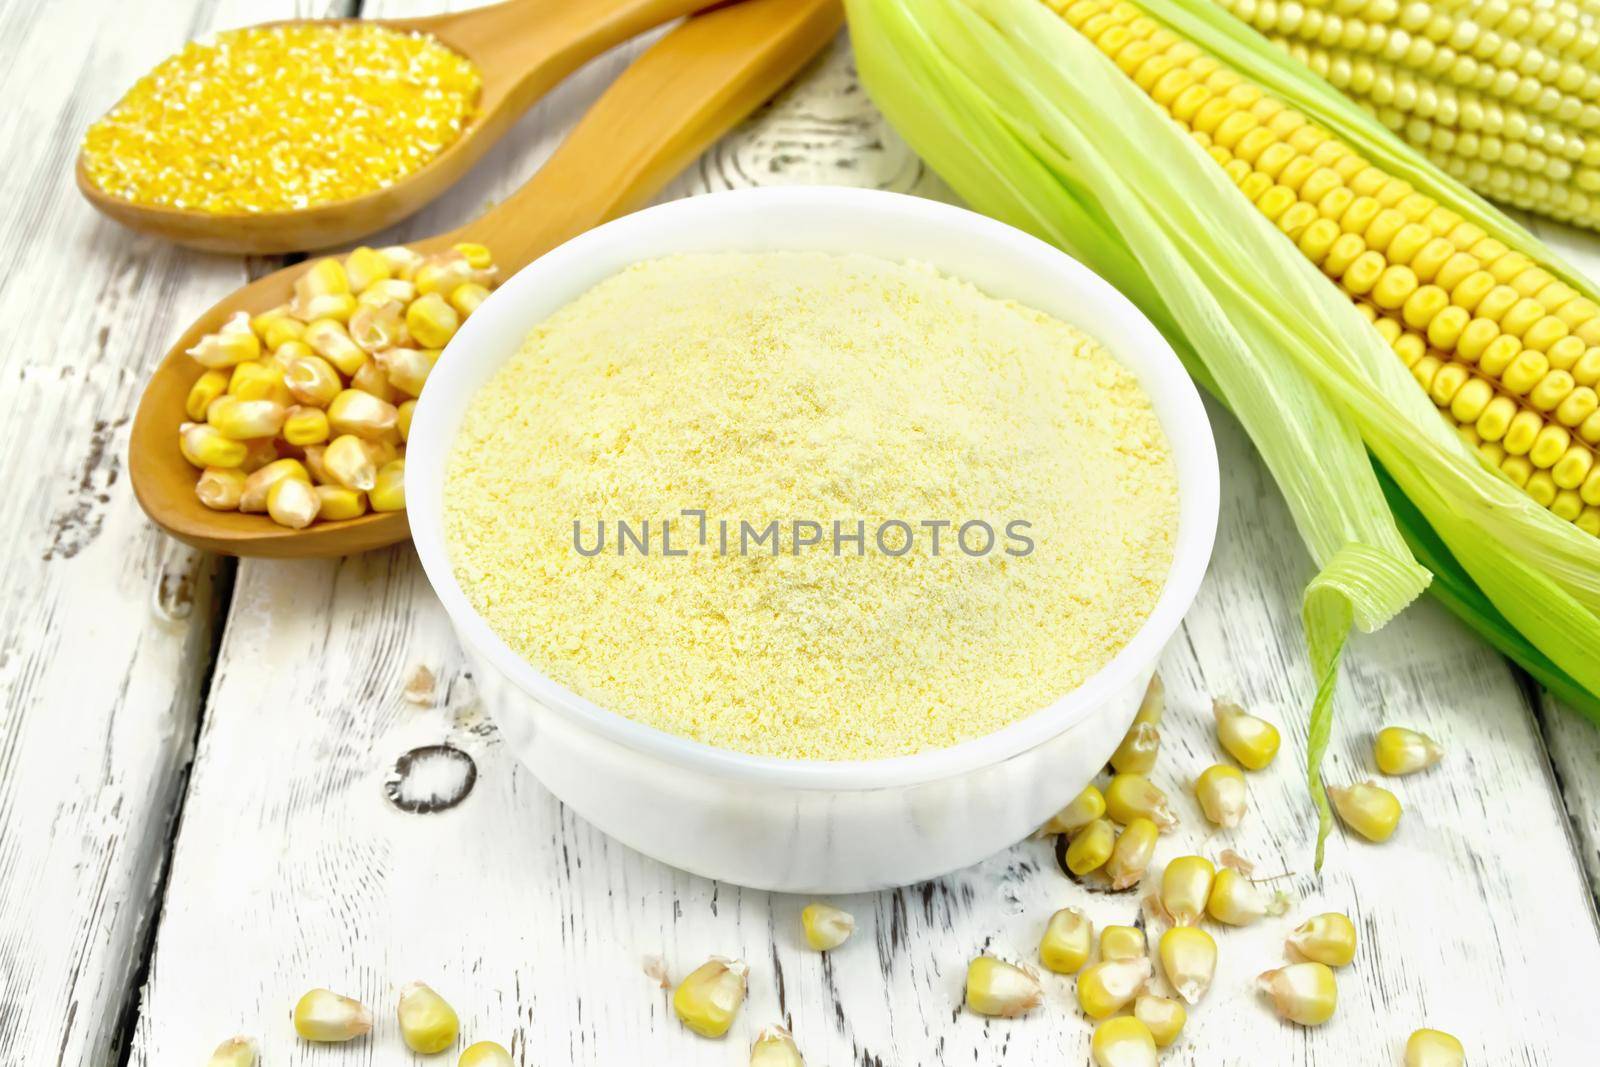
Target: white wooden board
point(292, 870)
point(105, 626)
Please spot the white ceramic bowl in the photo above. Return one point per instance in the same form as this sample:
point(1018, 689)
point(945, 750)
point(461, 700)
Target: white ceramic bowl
point(798, 826)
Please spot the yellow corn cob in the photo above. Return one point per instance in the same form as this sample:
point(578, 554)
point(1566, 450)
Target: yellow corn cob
point(1511, 114)
point(1507, 352)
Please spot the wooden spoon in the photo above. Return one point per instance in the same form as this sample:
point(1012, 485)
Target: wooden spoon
point(522, 48)
point(667, 108)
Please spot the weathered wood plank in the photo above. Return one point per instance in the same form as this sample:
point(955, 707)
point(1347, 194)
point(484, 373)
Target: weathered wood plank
point(292, 870)
point(105, 626)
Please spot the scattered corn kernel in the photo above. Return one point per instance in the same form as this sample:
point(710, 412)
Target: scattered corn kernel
point(1401, 751)
point(204, 446)
point(206, 388)
point(1123, 1042)
point(323, 1015)
point(253, 498)
point(1434, 1048)
point(1131, 854)
point(1162, 1015)
point(485, 1054)
point(1220, 789)
point(1122, 943)
point(1235, 900)
point(207, 130)
point(1303, 993)
point(1185, 888)
point(826, 927)
point(234, 1052)
point(293, 503)
point(1368, 809)
point(1138, 751)
point(1067, 942)
point(775, 1047)
point(1131, 796)
point(1107, 987)
point(388, 492)
point(1154, 703)
point(708, 999)
point(1085, 808)
point(428, 1024)
point(340, 503)
point(1091, 847)
point(1189, 960)
point(220, 488)
point(1251, 740)
point(1329, 938)
point(995, 987)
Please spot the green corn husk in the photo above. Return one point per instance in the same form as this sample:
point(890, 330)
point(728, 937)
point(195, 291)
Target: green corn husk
point(1029, 122)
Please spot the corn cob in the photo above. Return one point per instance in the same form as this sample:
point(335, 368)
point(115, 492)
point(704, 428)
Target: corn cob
point(1508, 353)
point(1501, 96)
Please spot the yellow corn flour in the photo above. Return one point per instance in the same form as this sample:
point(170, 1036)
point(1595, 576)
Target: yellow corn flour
point(809, 390)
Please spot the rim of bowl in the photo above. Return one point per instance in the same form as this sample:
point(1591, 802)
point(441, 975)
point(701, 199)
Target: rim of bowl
point(1179, 408)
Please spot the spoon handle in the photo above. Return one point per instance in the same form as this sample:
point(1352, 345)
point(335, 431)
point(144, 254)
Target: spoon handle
point(669, 106)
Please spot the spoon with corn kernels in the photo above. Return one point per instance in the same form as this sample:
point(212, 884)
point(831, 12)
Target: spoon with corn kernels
point(276, 425)
point(206, 152)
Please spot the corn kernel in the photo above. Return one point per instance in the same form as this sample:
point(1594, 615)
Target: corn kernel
point(204, 446)
point(1163, 1016)
point(312, 380)
point(322, 1015)
point(245, 420)
point(1084, 809)
point(1401, 751)
point(206, 388)
point(468, 297)
point(1091, 847)
point(335, 307)
point(826, 927)
point(305, 426)
point(1303, 993)
point(427, 1023)
point(1130, 796)
point(476, 255)
point(1122, 943)
point(1235, 900)
point(369, 378)
point(995, 987)
point(388, 492)
point(442, 273)
point(257, 380)
point(402, 420)
point(1189, 959)
point(364, 267)
point(1131, 854)
point(1250, 740)
point(292, 503)
point(1154, 703)
point(1368, 809)
point(406, 369)
point(1123, 1042)
point(1329, 938)
point(1434, 1048)
point(1185, 888)
point(1107, 987)
point(321, 278)
point(347, 463)
point(231, 345)
point(1138, 750)
point(485, 1054)
point(260, 481)
point(1221, 790)
point(431, 320)
point(775, 1047)
point(340, 503)
point(235, 1052)
point(375, 327)
point(403, 261)
point(329, 339)
point(708, 999)
point(1067, 942)
point(356, 412)
point(220, 488)
point(258, 453)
